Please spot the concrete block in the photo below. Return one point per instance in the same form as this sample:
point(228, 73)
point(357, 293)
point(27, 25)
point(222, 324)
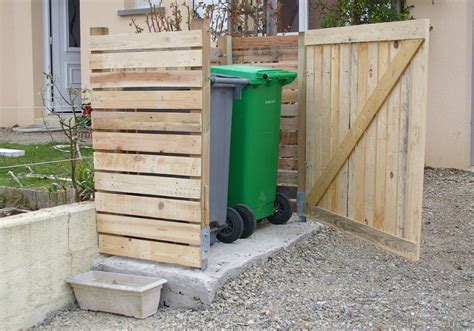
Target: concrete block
point(82, 227)
point(192, 288)
point(6, 152)
point(39, 251)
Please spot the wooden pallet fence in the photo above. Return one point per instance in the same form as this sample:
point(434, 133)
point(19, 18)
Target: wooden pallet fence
point(274, 52)
point(150, 94)
point(365, 131)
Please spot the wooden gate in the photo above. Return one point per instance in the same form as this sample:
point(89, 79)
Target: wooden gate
point(365, 130)
point(151, 138)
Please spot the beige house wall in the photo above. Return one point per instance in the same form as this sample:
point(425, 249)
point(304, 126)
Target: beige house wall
point(448, 138)
point(20, 61)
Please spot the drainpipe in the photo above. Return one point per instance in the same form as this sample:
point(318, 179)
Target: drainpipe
point(46, 13)
point(303, 15)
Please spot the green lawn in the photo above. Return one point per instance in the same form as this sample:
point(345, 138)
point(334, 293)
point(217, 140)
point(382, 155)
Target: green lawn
point(34, 154)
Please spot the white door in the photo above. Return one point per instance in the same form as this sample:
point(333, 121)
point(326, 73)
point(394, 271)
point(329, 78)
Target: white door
point(66, 51)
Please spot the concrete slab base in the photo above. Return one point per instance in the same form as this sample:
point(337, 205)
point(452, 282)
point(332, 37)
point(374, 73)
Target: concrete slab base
point(192, 288)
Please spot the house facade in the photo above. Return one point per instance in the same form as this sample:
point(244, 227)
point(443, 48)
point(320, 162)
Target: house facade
point(52, 36)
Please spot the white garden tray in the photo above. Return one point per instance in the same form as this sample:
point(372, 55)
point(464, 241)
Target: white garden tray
point(123, 294)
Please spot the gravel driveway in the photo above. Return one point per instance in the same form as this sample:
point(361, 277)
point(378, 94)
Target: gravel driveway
point(335, 281)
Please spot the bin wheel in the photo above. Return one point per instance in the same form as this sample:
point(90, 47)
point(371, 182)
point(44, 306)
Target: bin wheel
point(233, 228)
point(248, 216)
point(282, 210)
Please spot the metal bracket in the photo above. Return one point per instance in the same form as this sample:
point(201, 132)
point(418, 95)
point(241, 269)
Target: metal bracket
point(300, 200)
point(205, 246)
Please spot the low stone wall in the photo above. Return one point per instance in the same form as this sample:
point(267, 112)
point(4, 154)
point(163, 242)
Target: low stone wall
point(34, 199)
point(38, 252)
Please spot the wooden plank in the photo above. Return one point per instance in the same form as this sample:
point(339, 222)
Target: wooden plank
point(416, 146)
point(289, 124)
point(324, 121)
point(287, 178)
point(149, 228)
point(146, 121)
point(289, 96)
point(375, 101)
point(386, 241)
point(381, 143)
point(264, 42)
point(203, 26)
point(409, 30)
point(398, 227)
point(288, 151)
point(393, 138)
point(370, 139)
point(343, 127)
point(121, 79)
point(150, 250)
point(150, 185)
point(313, 105)
point(288, 164)
point(144, 142)
point(334, 119)
point(288, 138)
point(289, 109)
point(151, 59)
point(265, 55)
point(147, 99)
point(359, 149)
point(149, 164)
point(353, 110)
point(180, 210)
point(144, 41)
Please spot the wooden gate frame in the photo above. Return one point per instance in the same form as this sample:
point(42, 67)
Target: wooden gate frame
point(413, 36)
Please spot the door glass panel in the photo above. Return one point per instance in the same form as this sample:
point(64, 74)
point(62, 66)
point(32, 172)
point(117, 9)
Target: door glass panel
point(74, 23)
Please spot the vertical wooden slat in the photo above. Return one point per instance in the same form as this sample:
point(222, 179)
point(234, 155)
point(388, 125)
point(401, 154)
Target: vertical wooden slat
point(393, 137)
point(334, 120)
point(381, 144)
point(416, 143)
point(359, 151)
point(351, 187)
point(370, 139)
point(343, 127)
point(324, 131)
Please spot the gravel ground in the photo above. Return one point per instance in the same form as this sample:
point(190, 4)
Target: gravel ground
point(29, 138)
point(335, 281)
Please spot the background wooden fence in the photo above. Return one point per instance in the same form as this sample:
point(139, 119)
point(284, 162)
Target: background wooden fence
point(274, 52)
point(365, 111)
point(151, 139)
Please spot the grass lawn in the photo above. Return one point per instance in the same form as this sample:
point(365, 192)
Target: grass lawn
point(34, 154)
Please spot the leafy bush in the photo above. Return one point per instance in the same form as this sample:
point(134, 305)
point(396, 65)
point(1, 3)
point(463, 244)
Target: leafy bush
point(356, 12)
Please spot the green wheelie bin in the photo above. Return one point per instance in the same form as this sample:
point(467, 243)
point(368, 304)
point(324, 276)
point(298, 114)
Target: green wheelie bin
point(255, 139)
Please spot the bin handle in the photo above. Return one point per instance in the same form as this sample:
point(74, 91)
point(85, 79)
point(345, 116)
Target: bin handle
point(285, 77)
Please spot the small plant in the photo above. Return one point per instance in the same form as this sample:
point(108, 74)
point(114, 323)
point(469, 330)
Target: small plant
point(73, 116)
point(85, 180)
point(356, 12)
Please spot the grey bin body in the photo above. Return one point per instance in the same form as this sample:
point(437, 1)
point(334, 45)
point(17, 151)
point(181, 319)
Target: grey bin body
point(224, 89)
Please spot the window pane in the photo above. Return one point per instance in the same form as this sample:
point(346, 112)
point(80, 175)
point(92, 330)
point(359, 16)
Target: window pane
point(74, 23)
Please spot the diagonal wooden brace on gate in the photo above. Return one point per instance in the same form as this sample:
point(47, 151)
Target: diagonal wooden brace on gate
point(385, 86)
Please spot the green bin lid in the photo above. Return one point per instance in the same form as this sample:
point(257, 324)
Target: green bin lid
point(255, 75)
